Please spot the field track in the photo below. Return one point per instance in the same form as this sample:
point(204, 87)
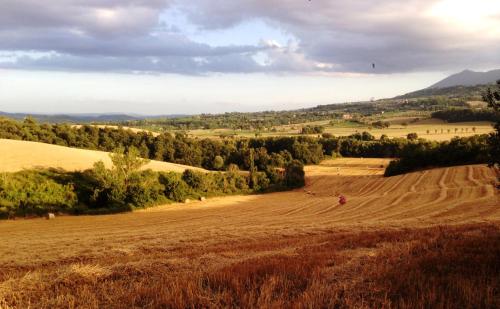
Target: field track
point(445, 196)
point(18, 155)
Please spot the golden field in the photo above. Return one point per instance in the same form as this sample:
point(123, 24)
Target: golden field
point(19, 155)
point(424, 239)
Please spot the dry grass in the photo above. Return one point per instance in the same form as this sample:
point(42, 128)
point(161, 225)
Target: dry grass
point(421, 240)
point(19, 155)
point(438, 267)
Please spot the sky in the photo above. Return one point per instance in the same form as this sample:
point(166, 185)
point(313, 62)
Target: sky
point(211, 56)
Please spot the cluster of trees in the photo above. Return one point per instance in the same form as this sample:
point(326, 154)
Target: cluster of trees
point(458, 151)
point(252, 154)
point(363, 136)
point(492, 97)
point(124, 186)
point(381, 124)
point(312, 130)
point(35, 192)
point(461, 115)
point(211, 154)
point(263, 153)
point(422, 154)
point(258, 121)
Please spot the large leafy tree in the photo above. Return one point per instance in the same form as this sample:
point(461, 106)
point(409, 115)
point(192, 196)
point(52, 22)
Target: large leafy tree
point(493, 99)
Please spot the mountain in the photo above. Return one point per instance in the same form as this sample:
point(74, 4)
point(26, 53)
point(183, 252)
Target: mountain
point(468, 78)
point(83, 118)
point(72, 118)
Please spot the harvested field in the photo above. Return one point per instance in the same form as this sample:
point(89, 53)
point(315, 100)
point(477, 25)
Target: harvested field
point(19, 155)
point(425, 239)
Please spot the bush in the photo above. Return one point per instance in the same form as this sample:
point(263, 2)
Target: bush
point(381, 124)
point(175, 188)
point(196, 180)
point(34, 192)
point(312, 130)
point(295, 175)
point(458, 151)
point(412, 136)
point(145, 189)
point(218, 163)
point(260, 182)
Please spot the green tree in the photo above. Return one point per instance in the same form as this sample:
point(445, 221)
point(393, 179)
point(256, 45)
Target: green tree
point(218, 163)
point(118, 186)
point(295, 175)
point(126, 163)
point(492, 97)
point(412, 136)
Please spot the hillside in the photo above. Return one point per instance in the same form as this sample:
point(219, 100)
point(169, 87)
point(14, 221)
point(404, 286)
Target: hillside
point(468, 78)
point(454, 195)
point(18, 155)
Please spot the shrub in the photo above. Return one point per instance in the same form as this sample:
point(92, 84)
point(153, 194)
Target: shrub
point(294, 174)
point(260, 182)
point(312, 130)
point(175, 188)
point(412, 136)
point(145, 189)
point(218, 163)
point(196, 180)
point(34, 192)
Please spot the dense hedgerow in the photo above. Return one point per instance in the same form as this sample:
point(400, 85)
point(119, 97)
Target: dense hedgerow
point(125, 187)
point(32, 192)
point(425, 154)
point(462, 115)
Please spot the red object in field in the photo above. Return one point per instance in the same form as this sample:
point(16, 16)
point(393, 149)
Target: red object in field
point(342, 200)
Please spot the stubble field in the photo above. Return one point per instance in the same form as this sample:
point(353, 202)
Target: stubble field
point(429, 238)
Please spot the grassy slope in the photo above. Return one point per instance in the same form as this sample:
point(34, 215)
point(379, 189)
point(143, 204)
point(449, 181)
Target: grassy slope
point(18, 155)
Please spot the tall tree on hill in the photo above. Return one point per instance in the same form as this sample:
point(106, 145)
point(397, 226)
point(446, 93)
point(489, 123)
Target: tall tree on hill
point(493, 99)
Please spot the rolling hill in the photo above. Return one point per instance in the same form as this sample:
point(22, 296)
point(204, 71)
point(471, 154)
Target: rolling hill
point(292, 247)
point(18, 155)
point(468, 78)
point(453, 195)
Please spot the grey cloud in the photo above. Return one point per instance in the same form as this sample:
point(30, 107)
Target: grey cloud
point(352, 34)
point(100, 18)
point(340, 35)
point(163, 44)
point(168, 64)
point(110, 35)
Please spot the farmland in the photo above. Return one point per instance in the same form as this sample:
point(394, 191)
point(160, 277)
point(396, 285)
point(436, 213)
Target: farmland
point(197, 254)
point(428, 128)
point(19, 155)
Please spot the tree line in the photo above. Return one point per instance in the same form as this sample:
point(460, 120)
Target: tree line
point(125, 187)
point(462, 115)
point(260, 154)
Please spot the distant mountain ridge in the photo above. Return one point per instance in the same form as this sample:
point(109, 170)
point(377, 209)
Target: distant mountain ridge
point(468, 78)
point(81, 118)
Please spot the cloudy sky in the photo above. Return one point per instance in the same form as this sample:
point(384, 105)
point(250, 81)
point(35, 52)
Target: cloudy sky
point(180, 56)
